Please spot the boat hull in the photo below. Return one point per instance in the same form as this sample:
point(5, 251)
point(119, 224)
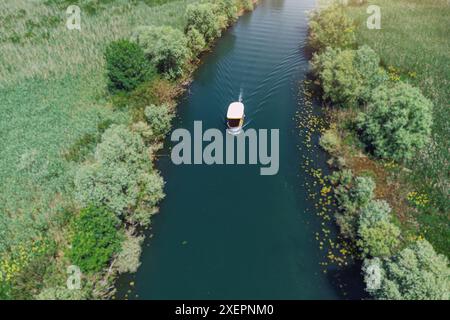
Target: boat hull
point(234, 131)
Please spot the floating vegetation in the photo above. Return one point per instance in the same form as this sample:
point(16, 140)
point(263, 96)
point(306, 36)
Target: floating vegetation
point(337, 251)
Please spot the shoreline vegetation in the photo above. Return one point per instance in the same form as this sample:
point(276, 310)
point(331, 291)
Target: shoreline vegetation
point(384, 130)
point(99, 189)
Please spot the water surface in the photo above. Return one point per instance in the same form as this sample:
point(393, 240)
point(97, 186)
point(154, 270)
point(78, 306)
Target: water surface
point(226, 232)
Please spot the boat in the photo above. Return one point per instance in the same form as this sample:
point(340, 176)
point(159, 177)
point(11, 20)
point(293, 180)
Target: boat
point(235, 118)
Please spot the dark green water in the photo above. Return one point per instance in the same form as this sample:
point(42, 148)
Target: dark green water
point(260, 245)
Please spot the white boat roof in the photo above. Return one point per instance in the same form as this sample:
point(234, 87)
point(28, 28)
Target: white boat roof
point(235, 110)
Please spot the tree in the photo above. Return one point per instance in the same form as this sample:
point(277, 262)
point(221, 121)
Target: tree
point(95, 239)
point(203, 17)
point(362, 191)
point(247, 5)
point(367, 64)
point(352, 194)
point(126, 66)
point(121, 177)
point(330, 27)
point(415, 273)
point(159, 119)
point(374, 211)
point(397, 121)
point(165, 47)
point(196, 41)
point(128, 259)
point(229, 9)
point(379, 239)
point(330, 141)
point(338, 76)
point(348, 77)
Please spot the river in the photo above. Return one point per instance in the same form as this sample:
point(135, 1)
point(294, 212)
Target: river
point(225, 231)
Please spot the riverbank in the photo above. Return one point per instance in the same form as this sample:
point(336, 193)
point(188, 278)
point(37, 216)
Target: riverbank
point(421, 57)
point(169, 94)
point(263, 246)
point(63, 121)
point(383, 209)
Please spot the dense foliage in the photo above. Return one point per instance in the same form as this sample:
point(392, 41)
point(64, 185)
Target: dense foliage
point(352, 194)
point(329, 140)
point(37, 175)
point(159, 119)
point(397, 125)
point(228, 8)
point(330, 27)
point(196, 41)
point(121, 177)
point(128, 259)
point(61, 293)
point(378, 236)
point(415, 273)
point(165, 47)
point(203, 17)
point(247, 5)
point(348, 77)
point(95, 239)
point(397, 121)
point(126, 65)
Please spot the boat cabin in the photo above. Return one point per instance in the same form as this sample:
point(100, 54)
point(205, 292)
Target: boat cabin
point(235, 117)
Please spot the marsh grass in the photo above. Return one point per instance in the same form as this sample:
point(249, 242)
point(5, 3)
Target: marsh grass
point(52, 92)
point(414, 43)
point(54, 106)
point(35, 42)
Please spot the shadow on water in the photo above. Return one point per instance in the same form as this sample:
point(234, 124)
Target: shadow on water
point(347, 283)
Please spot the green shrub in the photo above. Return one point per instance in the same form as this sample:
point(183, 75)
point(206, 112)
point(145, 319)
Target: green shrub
point(144, 130)
point(121, 176)
point(330, 27)
point(247, 5)
point(159, 119)
point(397, 121)
point(367, 64)
point(120, 145)
point(156, 91)
point(95, 239)
point(378, 236)
point(378, 240)
point(338, 76)
point(126, 66)
point(128, 259)
point(229, 9)
point(5, 291)
point(354, 194)
point(165, 47)
point(152, 193)
point(341, 178)
point(203, 17)
point(362, 191)
point(348, 77)
point(351, 194)
point(61, 293)
point(374, 211)
point(329, 141)
point(415, 273)
point(196, 42)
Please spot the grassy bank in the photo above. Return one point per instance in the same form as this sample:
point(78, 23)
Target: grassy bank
point(386, 95)
point(77, 177)
point(413, 43)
